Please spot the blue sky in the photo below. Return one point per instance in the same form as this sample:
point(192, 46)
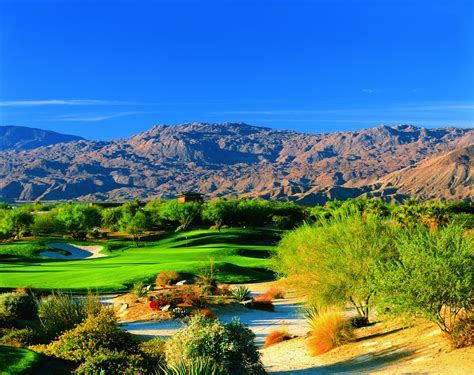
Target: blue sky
point(110, 69)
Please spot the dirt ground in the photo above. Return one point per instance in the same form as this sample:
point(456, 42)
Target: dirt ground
point(386, 347)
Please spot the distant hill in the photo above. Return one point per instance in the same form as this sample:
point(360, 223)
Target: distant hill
point(226, 159)
point(24, 138)
point(450, 175)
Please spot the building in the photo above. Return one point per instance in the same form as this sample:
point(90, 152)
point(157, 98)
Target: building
point(191, 197)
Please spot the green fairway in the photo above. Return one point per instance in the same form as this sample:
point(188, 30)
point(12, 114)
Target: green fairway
point(17, 360)
point(239, 256)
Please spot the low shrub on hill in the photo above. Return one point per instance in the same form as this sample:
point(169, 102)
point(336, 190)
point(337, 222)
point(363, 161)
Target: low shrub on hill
point(229, 346)
point(167, 278)
point(16, 306)
point(60, 312)
point(241, 293)
point(432, 278)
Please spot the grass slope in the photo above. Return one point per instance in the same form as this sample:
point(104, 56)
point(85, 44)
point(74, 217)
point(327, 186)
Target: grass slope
point(17, 360)
point(239, 255)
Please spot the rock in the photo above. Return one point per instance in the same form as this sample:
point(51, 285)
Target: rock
point(166, 308)
point(123, 308)
point(149, 287)
point(248, 303)
point(182, 282)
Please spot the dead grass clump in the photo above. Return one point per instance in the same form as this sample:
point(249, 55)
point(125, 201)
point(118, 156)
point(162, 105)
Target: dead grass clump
point(274, 293)
point(167, 278)
point(276, 337)
point(463, 333)
point(329, 329)
point(208, 313)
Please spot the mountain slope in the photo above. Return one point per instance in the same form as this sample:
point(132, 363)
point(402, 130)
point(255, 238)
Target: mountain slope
point(446, 176)
point(24, 138)
point(222, 159)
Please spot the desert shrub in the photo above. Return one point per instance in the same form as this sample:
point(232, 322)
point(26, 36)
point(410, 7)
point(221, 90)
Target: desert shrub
point(139, 289)
point(223, 290)
point(332, 262)
point(17, 306)
point(432, 278)
point(60, 312)
point(207, 313)
point(97, 335)
point(273, 293)
point(276, 337)
point(241, 293)
point(230, 346)
point(207, 278)
point(463, 333)
point(329, 329)
point(171, 298)
point(111, 362)
point(463, 219)
point(262, 304)
point(18, 336)
point(167, 278)
point(195, 367)
point(153, 351)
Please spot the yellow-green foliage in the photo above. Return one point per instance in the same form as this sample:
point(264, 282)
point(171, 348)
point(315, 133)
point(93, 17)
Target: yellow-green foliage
point(332, 262)
point(96, 334)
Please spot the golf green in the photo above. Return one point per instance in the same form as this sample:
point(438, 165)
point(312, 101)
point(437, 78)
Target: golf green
point(239, 255)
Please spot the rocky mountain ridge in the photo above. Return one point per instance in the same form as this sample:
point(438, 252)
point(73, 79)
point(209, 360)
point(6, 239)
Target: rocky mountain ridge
point(225, 160)
point(24, 138)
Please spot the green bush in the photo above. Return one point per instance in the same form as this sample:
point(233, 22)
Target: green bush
point(60, 312)
point(97, 335)
point(196, 367)
point(139, 289)
point(229, 346)
point(432, 278)
point(332, 262)
point(153, 351)
point(17, 306)
point(111, 362)
point(18, 336)
point(241, 293)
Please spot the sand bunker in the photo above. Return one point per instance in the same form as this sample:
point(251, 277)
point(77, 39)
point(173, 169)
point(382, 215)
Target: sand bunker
point(76, 251)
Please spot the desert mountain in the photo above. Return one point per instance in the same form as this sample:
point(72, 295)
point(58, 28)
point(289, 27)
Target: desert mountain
point(449, 175)
point(223, 159)
point(23, 138)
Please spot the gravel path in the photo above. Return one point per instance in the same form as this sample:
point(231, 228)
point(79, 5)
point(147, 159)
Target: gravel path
point(76, 251)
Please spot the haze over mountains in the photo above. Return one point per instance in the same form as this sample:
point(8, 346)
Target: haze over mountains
point(236, 159)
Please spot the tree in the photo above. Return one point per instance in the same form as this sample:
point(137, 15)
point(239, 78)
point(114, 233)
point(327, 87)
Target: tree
point(44, 224)
point(78, 219)
point(432, 277)
point(332, 262)
point(15, 222)
point(220, 212)
point(183, 213)
point(153, 209)
point(111, 217)
point(134, 224)
point(254, 212)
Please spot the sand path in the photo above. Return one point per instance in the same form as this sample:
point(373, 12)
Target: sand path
point(76, 251)
point(286, 314)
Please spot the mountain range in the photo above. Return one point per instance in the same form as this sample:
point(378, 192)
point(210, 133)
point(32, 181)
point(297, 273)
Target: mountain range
point(236, 159)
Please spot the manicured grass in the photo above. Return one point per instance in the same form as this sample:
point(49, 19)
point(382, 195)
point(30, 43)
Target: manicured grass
point(17, 360)
point(235, 253)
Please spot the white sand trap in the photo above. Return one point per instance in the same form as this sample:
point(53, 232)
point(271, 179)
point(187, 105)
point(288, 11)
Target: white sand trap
point(77, 251)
